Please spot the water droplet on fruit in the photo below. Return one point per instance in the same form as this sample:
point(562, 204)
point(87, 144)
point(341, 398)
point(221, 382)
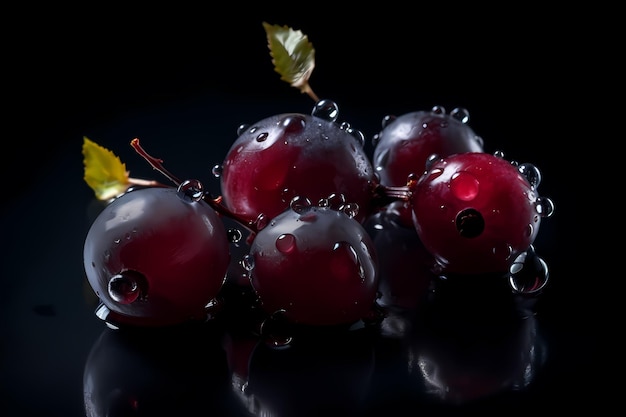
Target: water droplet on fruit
point(300, 204)
point(351, 209)
point(217, 170)
point(464, 186)
point(126, 287)
point(191, 189)
point(358, 135)
point(438, 110)
point(293, 123)
point(326, 109)
point(499, 154)
point(262, 137)
point(242, 128)
point(544, 206)
point(275, 329)
point(336, 201)
point(286, 243)
point(531, 173)
point(460, 114)
point(247, 262)
point(529, 273)
point(260, 222)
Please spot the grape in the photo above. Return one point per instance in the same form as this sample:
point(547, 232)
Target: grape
point(406, 143)
point(156, 256)
point(295, 155)
point(314, 265)
point(476, 212)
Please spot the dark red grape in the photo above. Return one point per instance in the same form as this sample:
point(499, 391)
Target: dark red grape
point(314, 265)
point(476, 212)
point(155, 256)
point(405, 144)
point(293, 154)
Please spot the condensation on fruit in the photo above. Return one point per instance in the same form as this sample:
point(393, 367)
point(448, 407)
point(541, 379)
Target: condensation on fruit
point(293, 154)
point(314, 265)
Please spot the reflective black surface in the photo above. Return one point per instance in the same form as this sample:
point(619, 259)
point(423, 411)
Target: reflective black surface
point(455, 347)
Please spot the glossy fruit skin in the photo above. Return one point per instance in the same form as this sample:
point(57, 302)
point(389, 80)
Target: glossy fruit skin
point(318, 266)
point(289, 155)
point(174, 250)
point(475, 212)
point(406, 142)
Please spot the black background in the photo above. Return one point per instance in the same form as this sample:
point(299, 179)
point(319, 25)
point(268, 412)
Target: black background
point(183, 80)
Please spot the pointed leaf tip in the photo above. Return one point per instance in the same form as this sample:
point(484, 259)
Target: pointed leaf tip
point(104, 173)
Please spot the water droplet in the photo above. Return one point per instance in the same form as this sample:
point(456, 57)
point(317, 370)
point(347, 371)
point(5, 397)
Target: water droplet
point(545, 206)
point(531, 173)
point(350, 209)
point(286, 243)
point(247, 262)
point(242, 128)
point(326, 109)
point(499, 154)
point(470, 223)
point(460, 114)
point(262, 136)
point(275, 330)
point(217, 170)
point(126, 287)
point(375, 139)
point(388, 119)
point(464, 186)
point(336, 201)
point(234, 235)
point(358, 135)
point(293, 123)
point(192, 189)
point(438, 110)
point(260, 222)
point(300, 204)
point(432, 158)
point(529, 273)
point(344, 126)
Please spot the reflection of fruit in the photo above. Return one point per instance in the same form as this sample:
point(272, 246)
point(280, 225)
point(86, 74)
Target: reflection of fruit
point(154, 372)
point(295, 155)
point(316, 266)
point(155, 257)
point(476, 341)
point(322, 372)
point(475, 212)
point(404, 264)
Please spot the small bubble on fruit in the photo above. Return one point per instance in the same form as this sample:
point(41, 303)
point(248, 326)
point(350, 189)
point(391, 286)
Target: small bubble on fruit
point(335, 201)
point(247, 262)
point(544, 206)
point(262, 136)
point(529, 273)
point(293, 123)
point(300, 204)
point(326, 109)
point(438, 110)
point(286, 243)
point(531, 173)
point(124, 288)
point(464, 186)
point(460, 114)
point(217, 170)
point(192, 189)
point(242, 128)
point(350, 209)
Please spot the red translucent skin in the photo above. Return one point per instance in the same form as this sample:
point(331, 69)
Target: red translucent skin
point(179, 247)
point(319, 266)
point(405, 144)
point(289, 155)
point(494, 188)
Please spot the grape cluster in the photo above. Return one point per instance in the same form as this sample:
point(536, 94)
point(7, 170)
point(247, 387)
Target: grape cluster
point(312, 202)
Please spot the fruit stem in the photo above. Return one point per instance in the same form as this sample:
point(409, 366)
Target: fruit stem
point(214, 202)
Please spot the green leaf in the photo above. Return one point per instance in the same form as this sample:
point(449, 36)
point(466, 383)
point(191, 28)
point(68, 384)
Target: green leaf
point(104, 172)
point(292, 54)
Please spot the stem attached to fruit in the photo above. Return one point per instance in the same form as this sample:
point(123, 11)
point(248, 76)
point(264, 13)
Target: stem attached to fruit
point(214, 202)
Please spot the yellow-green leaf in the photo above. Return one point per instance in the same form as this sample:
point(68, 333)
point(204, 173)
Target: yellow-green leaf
point(104, 172)
point(292, 54)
